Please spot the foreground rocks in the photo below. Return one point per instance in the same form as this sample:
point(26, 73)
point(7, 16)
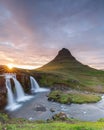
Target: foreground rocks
point(39, 107)
point(60, 116)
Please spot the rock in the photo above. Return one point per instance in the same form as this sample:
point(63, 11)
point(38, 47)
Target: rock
point(60, 116)
point(60, 86)
point(39, 107)
point(3, 93)
point(52, 110)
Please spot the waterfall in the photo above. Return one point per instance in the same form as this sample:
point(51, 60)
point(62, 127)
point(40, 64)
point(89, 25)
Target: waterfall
point(8, 83)
point(21, 96)
point(12, 105)
point(12, 101)
point(9, 94)
point(35, 86)
point(19, 90)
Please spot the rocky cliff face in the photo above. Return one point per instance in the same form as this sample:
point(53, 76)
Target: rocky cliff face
point(3, 92)
point(25, 81)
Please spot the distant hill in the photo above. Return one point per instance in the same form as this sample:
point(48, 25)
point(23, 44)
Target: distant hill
point(74, 73)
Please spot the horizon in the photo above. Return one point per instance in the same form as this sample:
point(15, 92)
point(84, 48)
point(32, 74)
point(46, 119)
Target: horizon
point(32, 32)
point(11, 66)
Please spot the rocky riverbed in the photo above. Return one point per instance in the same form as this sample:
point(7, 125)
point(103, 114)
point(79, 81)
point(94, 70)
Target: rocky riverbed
point(39, 108)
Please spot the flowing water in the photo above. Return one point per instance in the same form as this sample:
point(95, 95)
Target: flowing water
point(21, 96)
point(12, 101)
point(12, 105)
point(35, 86)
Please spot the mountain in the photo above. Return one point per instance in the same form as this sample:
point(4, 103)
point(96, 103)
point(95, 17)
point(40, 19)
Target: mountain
point(64, 59)
point(71, 72)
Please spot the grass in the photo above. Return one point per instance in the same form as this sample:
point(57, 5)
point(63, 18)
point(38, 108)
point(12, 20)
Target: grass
point(55, 126)
point(73, 97)
point(85, 78)
point(71, 124)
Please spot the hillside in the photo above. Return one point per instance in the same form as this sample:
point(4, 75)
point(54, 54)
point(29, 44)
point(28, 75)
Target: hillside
point(71, 72)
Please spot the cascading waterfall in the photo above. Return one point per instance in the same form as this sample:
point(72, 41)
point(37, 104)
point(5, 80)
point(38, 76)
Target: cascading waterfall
point(12, 105)
point(21, 96)
point(35, 86)
point(8, 83)
point(19, 90)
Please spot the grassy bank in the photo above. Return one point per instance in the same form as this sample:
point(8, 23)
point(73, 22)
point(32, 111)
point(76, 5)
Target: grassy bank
point(54, 126)
point(73, 97)
point(58, 124)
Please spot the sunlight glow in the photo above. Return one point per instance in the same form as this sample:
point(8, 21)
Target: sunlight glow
point(10, 66)
point(26, 67)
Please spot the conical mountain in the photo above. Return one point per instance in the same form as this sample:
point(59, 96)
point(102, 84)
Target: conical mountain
point(65, 60)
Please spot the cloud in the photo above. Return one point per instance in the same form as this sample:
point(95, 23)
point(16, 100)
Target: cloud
point(32, 28)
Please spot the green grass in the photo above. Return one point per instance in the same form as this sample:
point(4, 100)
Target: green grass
point(55, 126)
point(67, 71)
point(73, 97)
point(69, 124)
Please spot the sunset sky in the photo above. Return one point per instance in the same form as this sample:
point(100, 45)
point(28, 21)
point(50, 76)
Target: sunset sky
point(33, 31)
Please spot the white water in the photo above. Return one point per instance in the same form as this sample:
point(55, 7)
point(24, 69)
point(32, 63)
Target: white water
point(21, 96)
point(35, 86)
point(12, 105)
point(11, 99)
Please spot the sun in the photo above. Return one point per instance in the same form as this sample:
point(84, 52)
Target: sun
point(10, 66)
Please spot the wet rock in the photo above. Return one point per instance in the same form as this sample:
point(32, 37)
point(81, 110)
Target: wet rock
point(60, 116)
point(39, 107)
point(52, 110)
point(3, 93)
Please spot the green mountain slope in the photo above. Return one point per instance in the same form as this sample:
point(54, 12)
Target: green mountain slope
point(73, 73)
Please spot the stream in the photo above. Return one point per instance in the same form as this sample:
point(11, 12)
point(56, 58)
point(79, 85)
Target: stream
point(39, 108)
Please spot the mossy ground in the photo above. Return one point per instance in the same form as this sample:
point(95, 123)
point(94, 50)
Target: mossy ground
point(69, 124)
point(54, 126)
point(73, 97)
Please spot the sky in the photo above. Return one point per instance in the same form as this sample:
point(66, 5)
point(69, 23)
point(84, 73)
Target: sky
point(33, 31)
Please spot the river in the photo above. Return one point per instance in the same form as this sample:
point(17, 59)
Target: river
point(39, 108)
